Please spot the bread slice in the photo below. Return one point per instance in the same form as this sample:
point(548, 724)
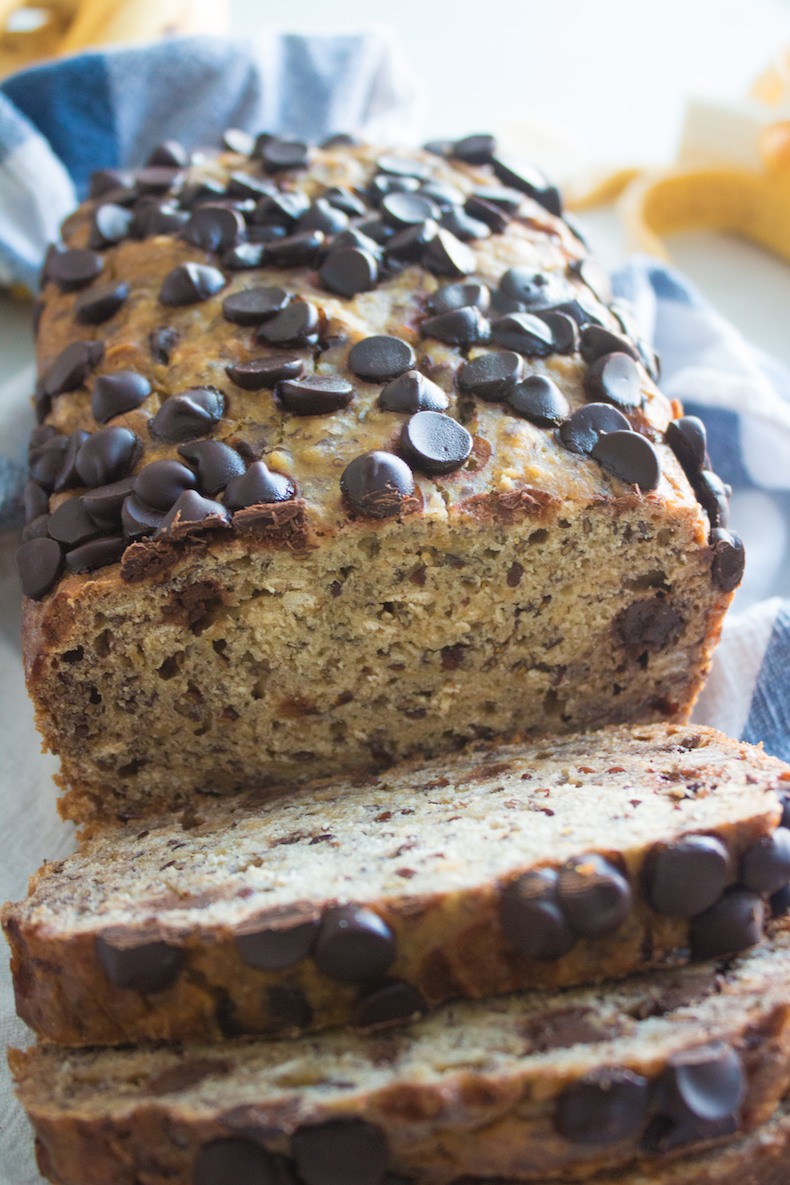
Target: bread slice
point(527, 1086)
point(511, 866)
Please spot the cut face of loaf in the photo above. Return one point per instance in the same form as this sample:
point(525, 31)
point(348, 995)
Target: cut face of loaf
point(325, 528)
point(564, 861)
point(529, 1086)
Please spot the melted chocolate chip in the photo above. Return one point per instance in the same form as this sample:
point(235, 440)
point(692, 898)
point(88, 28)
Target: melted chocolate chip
point(435, 443)
point(192, 512)
point(596, 342)
point(412, 392)
point(265, 372)
point(215, 464)
point(459, 296)
point(253, 306)
point(107, 456)
point(300, 250)
point(729, 558)
point(340, 1152)
point(538, 398)
point(531, 917)
point(765, 867)
point(353, 944)
point(109, 224)
point(97, 553)
point(314, 394)
point(689, 441)
point(72, 366)
point(593, 895)
point(379, 358)
point(238, 1161)
point(629, 457)
point(161, 483)
point(524, 333)
point(581, 432)
point(39, 562)
point(105, 502)
point(615, 378)
point(114, 394)
point(273, 949)
point(448, 256)
point(70, 524)
point(188, 415)
point(491, 376)
point(279, 155)
point(733, 924)
point(377, 484)
point(389, 1003)
point(349, 271)
point(685, 878)
point(259, 485)
point(651, 623)
point(528, 179)
point(475, 150)
point(189, 283)
point(74, 269)
point(138, 519)
point(459, 327)
point(296, 325)
point(214, 228)
point(604, 1107)
point(149, 967)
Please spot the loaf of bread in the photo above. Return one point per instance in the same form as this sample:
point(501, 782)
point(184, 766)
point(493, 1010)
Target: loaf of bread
point(561, 862)
point(347, 456)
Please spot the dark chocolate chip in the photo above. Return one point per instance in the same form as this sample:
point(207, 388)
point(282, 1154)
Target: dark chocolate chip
point(353, 944)
point(528, 179)
point(296, 325)
point(531, 918)
point(74, 268)
point(71, 524)
point(36, 499)
point(689, 442)
point(349, 271)
point(158, 179)
point(314, 394)
point(300, 250)
point(375, 228)
point(265, 372)
point(244, 256)
point(109, 224)
point(340, 140)
point(244, 185)
point(482, 211)
point(408, 246)
point(258, 486)
point(171, 154)
point(463, 226)
point(733, 924)
point(323, 216)
point(765, 867)
point(475, 150)
point(448, 256)
point(594, 896)
point(595, 276)
point(279, 155)
point(402, 210)
point(189, 283)
point(161, 483)
point(400, 166)
point(162, 342)
point(564, 330)
point(138, 519)
point(581, 432)
point(648, 624)
point(596, 342)
point(72, 366)
point(729, 558)
point(188, 415)
point(46, 462)
point(353, 237)
point(604, 1107)
point(501, 304)
point(39, 562)
point(491, 376)
point(281, 209)
point(685, 878)
point(379, 358)
point(98, 553)
point(629, 457)
point(713, 496)
point(343, 199)
point(103, 180)
point(459, 296)
point(509, 200)
point(340, 1152)
point(435, 443)
point(253, 306)
point(97, 305)
point(214, 462)
point(214, 228)
point(412, 392)
point(149, 967)
point(68, 476)
point(459, 327)
point(615, 378)
point(114, 394)
point(107, 456)
point(274, 948)
point(36, 528)
point(524, 333)
point(154, 217)
point(537, 290)
point(441, 194)
point(105, 502)
point(377, 484)
point(192, 512)
point(239, 141)
point(538, 398)
point(706, 1083)
point(439, 147)
point(389, 1003)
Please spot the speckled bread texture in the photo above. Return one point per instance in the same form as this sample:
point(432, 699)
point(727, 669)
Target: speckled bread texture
point(434, 850)
point(310, 638)
point(480, 1089)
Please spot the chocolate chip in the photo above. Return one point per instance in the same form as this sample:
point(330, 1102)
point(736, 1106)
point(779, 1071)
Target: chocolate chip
point(536, 290)
point(412, 392)
point(281, 209)
point(482, 211)
point(538, 398)
point(171, 154)
point(373, 227)
point(148, 967)
point(105, 502)
point(340, 140)
point(46, 463)
point(68, 477)
point(564, 330)
point(161, 342)
point(596, 342)
point(72, 366)
point(441, 194)
point(435, 443)
point(138, 519)
point(214, 228)
point(349, 271)
point(459, 327)
point(36, 499)
point(290, 1011)
point(71, 524)
point(265, 372)
point(189, 283)
point(688, 440)
point(161, 483)
point(343, 199)
point(733, 924)
point(74, 269)
point(154, 217)
point(581, 432)
point(192, 512)
point(114, 394)
point(97, 305)
point(389, 1003)
point(448, 256)
point(615, 378)
point(274, 948)
point(39, 562)
point(244, 185)
point(729, 558)
point(765, 867)
point(98, 553)
point(300, 250)
point(491, 376)
point(409, 245)
point(475, 150)
point(379, 358)
point(215, 464)
point(158, 179)
point(188, 415)
point(531, 918)
point(296, 325)
point(629, 457)
point(107, 456)
point(279, 155)
point(713, 496)
point(509, 200)
point(253, 306)
point(314, 394)
point(259, 485)
point(109, 224)
point(462, 226)
point(707, 1083)
point(340, 1152)
point(528, 179)
point(378, 484)
point(648, 624)
point(685, 878)
point(595, 276)
point(36, 528)
point(354, 238)
point(244, 256)
point(353, 944)
point(524, 333)
point(400, 166)
point(594, 897)
point(402, 210)
point(324, 216)
point(459, 296)
point(103, 180)
point(604, 1107)
point(779, 902)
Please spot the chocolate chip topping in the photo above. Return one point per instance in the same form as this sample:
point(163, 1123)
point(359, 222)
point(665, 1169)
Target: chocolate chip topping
point(685, 878)
point(401, 210)
point(531, 917)
point(281, 209)
point(459, 327)
point(98, 304)
point(379, 358)
point(389, 1003)
point(138, 519)
point(463, 226)
point(314, 394)
point(528, 179)
point(340, 1152)
point(36, 500)
point(72, 366)
point(214, 228)
point(192, 512)
point(188, 415)
point(324, 216)
point(274, 948)
point(107, 456)
point(71, 524)
point(238, 1161)
point(299, 250)
point(104, 503)
point(109, 224)
point(524, 333)
point(435, 443)
point(114, 394)
point(36, 528)
point(706, 1083)
point(596, 342)
point(265, 372)
point(349, 271)
point(688, 440)
point(158, 179)
point(602, 1108)
point(243, 257)
point(733, 924)
point(39, 563)
point(615, 378)
point(459, 296)
point(296, 325)
point(538, 398)
point(629, 457)
point(149, 967)
point(46, 463)
point(97, 553)
point(535, 290)
point(729, 559)
point(353, 944)
point(564, 330)
point(153, 217)
point(68, 477)
point(491, 376)
point(412, 392)
point(171, 154)
point(279, 155)
point(765, 867)
point(259, 485)
point(73, 269)
point(448, 256)
point(581, 432)
point(713, 496)
point(161, 483)
point(594, 897)
point(190, 282)
point(475, 150)
point(214, 462)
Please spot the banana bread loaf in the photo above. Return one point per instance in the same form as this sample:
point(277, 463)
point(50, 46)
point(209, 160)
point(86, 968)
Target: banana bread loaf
point(346, 456)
